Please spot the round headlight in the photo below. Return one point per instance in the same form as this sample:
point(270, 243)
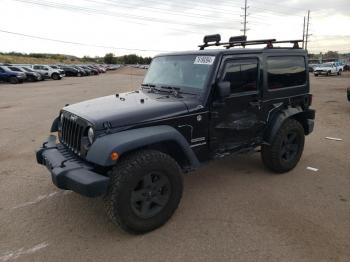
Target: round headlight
point(91, 135)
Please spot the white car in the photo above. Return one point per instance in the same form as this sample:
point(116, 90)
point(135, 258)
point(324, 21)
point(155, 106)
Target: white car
point(327, 69)
point(48, 71)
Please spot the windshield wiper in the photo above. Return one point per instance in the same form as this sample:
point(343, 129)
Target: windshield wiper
point(152, 88)
point(176, 91)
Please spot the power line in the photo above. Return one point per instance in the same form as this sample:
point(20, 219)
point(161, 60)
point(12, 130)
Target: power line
point(158, 10)
point(115, 14)
point(79, 43)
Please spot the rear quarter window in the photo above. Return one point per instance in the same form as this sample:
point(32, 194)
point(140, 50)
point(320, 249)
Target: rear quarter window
point(285, 71)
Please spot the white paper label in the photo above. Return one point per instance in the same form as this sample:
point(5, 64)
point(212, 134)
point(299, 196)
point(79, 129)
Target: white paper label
point(204, 60)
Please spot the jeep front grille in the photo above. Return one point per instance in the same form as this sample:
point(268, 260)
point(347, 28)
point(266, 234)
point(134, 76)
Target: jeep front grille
point(72, 132)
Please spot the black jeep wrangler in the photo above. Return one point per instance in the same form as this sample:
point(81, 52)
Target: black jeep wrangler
point(192, 107)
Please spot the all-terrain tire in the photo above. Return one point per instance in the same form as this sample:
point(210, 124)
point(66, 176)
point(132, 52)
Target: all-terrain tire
point(126, 177)
point(274, 156)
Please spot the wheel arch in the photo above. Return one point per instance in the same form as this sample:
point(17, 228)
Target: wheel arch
point(296, 113)
point(163, 138)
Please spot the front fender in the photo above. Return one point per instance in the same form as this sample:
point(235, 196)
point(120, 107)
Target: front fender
point(126, 141)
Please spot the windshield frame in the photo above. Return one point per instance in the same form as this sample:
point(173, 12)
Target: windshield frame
point(202, 92)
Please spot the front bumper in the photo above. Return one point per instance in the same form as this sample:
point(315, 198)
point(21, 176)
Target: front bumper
point(69, 172)
point(320, 72)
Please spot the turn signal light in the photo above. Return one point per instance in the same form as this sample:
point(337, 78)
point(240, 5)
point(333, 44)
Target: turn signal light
point(114, 156)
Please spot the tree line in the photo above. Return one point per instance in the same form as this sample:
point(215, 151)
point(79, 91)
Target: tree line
point(109, 58)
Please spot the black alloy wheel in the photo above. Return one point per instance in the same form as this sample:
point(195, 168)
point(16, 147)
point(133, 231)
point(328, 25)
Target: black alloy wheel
point(145, 190)
point(150, 195)
point(290, 146)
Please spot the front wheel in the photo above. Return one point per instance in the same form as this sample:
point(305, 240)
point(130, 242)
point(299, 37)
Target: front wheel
point(284, 153)
point(55, 76)
point(145, 190)
point(14, 80)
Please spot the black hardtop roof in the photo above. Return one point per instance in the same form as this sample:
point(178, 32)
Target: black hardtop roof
point(215, 52)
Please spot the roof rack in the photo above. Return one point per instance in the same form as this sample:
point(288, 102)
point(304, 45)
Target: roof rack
point(214, 40)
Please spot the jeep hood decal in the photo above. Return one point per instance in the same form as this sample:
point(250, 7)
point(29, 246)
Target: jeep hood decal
point(127, 109)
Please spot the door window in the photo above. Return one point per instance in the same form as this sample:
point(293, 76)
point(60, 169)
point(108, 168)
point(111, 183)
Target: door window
point(242, 75)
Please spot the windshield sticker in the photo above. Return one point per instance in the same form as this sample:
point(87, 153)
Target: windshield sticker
point(204, 60)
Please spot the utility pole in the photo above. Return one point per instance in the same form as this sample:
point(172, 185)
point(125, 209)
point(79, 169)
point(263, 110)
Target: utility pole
point(307, 29)
point(304, 32)
point(245, 22)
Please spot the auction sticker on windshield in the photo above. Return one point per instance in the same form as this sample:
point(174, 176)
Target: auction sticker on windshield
point(204, 60)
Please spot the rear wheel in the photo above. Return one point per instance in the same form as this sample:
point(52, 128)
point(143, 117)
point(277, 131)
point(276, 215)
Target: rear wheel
point(339, 73)
point(286, 148)
point(145, 190)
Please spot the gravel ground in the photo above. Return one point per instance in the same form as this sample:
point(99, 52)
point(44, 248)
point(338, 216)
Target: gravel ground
point(232, 209)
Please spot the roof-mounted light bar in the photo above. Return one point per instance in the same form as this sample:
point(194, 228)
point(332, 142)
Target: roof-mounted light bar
point(213, 39)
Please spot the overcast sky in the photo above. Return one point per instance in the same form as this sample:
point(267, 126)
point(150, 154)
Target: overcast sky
point(164, 25)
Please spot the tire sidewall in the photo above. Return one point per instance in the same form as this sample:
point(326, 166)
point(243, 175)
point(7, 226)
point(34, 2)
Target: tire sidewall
point(55, 76)
point(298, 129)
point(122, 204)
point(14, 80)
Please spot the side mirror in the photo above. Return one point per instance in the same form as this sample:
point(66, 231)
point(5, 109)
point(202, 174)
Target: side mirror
point(224, 89)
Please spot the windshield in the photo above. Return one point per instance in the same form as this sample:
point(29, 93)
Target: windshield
point(27, 69)
point(12, 68)
point(183, 71)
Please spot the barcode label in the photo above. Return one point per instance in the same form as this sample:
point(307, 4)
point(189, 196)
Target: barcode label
point(204, 60)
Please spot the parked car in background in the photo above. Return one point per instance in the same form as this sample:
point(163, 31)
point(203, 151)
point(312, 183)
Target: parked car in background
point(312, 67)
point(84, 72)
point(71, 71)
point(30, 76)
point(29, 70)
point(49, 72)
point(57, 68)
point(10, 76)
point(326, 69)
point(93, 70)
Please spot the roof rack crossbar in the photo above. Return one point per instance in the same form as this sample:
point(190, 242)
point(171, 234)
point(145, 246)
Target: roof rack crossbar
point(269, 42)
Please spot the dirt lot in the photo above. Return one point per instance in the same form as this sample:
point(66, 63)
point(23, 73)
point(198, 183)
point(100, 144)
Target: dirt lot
point(232, 210)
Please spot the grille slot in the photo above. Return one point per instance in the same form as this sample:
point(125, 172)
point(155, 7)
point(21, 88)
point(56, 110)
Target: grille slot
point(72, 132)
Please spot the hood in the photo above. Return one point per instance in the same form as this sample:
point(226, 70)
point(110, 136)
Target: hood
point(127, 109)
point(323, 68)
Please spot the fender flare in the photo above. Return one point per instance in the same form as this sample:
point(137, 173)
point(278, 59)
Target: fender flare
point(54, 125)
point(126, 141)
point(277, 121)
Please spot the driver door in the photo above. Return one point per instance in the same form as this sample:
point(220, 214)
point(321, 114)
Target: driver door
point(236, 119)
